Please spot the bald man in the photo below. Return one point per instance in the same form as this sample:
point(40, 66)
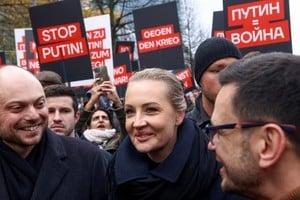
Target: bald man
point(35, 163)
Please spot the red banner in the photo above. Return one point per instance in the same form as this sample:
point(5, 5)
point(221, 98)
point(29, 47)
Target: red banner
point(121, 76)
point(61, 42)
point(160, 37)
point(261, 22)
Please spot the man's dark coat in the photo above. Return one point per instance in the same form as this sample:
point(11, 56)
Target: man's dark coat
point(71, 169)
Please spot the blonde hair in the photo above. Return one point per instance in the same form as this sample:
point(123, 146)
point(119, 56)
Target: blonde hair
point(175, 88)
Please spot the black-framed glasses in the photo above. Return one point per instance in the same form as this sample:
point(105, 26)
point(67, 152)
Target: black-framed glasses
point(212, 130)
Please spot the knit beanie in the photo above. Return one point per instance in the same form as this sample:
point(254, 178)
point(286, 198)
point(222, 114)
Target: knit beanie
point(211, 50)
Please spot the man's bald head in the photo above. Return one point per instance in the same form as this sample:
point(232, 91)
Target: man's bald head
point(7, 70)
point(12, 76)
point(23, 110)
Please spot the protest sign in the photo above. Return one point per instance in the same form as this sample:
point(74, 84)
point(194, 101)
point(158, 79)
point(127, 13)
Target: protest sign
point(61, 40)
point(158, 37)
point(125, 46)
point(98, 33)
point(122, 72)
point(2, 58)
point(258, 25)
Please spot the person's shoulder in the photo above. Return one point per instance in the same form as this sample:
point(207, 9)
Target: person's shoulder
point(190, 114)
point(84, 148)
point(194, 113)
point(74, 144)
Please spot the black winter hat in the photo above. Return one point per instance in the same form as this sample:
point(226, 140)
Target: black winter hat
point(211, 50)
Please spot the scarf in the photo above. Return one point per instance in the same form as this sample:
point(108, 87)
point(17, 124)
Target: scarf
point(21, 174)
point(98, 136)
point(186, 174)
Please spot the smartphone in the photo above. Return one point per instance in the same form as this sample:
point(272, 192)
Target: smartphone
point(102, 74)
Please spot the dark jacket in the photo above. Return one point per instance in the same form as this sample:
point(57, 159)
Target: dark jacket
point(198, 113)
point(71, 169)
point(189, 172)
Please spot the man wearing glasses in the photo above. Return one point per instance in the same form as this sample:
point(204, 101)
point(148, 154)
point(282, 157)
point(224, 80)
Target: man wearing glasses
point(254, 127)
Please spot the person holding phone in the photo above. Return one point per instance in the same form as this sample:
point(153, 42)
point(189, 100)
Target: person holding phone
point(101, 74)
point(104, 90)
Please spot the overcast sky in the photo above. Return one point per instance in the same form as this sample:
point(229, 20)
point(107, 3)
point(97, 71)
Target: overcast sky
point(207, 7)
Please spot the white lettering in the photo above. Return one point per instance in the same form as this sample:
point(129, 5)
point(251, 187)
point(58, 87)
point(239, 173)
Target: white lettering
point(167, 42)
point(119, 71)
point(246, 37)
point(58, 33)
point(100, 54)
point(255, 11)
point(157, 32)
point(146, 44)
point(62, 50)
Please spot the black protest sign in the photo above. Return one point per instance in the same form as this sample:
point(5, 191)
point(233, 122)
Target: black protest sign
point(158, 37)
point(122, 72)
point(2, 58)
point(31, 53)
point(218, 26)
point(258, 25)
point(61, 40)
point(125, 46)
point(135, 66)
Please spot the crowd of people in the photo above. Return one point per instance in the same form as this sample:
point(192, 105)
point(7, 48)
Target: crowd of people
point(238, 140)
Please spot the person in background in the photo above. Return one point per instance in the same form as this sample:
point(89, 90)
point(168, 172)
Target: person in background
point(189, 102)
point(254, 127)
point(211, 57)
point(195, 94)
point(63, 109)
point(47, 78)
point(100, 130)
point(109, 91)
point(36, 163)
point(164, 155)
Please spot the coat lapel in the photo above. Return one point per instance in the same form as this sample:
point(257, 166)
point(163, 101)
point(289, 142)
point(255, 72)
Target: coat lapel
point(53, 170)
point(3, 191)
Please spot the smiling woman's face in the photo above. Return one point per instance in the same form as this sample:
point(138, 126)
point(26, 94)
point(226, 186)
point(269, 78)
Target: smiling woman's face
point(151, 120)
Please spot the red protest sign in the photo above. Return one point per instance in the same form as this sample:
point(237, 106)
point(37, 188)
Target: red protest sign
point(61, 42)
point(98, 53)
point(121, 76)
point(159, 37)
point(96, 34)
point(59, 33)
point(186, 77)
point(62, 50)
point(261, 22)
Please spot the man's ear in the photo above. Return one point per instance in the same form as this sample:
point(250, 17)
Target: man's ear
point(77, 116)
point(271, 145)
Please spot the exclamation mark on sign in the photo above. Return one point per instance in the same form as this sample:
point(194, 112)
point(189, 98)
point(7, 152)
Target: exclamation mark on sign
point(81, 48)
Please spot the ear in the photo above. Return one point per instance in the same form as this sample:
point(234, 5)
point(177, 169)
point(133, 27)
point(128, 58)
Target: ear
point(200, 83)
point(272, 144)
point(77, 116)
point(179, 117)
